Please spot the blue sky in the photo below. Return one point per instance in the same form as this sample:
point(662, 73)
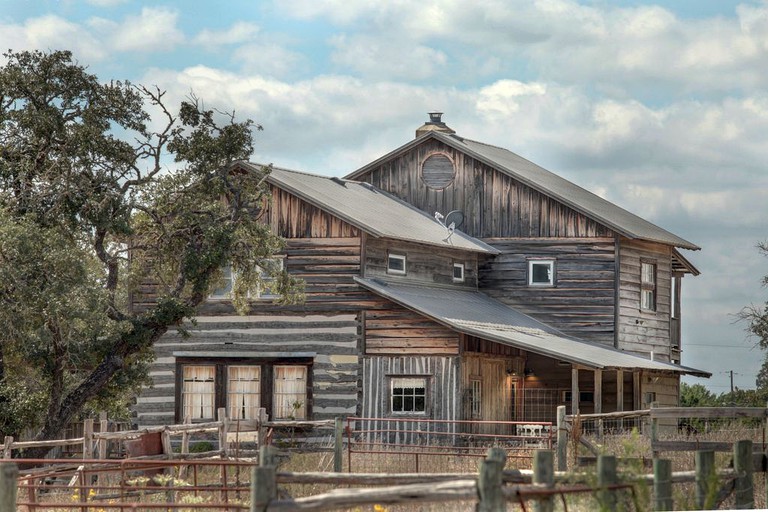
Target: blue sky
point(659, 107)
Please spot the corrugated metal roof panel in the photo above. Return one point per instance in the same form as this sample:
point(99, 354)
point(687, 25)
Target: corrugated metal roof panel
point(372, 210)
point(477, 314)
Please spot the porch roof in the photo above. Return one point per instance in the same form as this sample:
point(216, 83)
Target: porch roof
point(474, 313)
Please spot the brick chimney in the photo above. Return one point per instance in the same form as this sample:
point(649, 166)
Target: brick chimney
point(435, 124)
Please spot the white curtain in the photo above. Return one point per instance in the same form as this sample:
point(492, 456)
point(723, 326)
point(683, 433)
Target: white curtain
point(244, 392)
point(198, 392)
point(290, 398)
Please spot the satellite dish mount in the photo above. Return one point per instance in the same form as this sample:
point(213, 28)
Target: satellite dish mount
point(452, 221)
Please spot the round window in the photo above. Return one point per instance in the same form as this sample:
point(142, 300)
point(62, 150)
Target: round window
point(437, 171)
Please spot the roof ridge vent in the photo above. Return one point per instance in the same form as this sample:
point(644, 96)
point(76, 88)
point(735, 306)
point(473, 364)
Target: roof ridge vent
point(338, 180)
point(435, 124)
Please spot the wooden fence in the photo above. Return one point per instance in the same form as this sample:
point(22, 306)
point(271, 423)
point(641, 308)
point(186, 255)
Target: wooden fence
point(492, 488)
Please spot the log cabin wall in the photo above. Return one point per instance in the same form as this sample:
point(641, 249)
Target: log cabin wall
point(332, 339)
point(424, 263)
point(581, 302)
point(642, 331)
point(326, 253)
point(494, 204)
point(397, 330)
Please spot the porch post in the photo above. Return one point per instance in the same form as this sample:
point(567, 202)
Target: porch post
point(599, 400)
point(620, 395)
point(575, 391)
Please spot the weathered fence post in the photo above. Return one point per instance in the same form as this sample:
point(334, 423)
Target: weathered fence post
point(662, 484)
point(223, 432)
point(489, 482)
point(706, 478)
point(263, 480)
point(606, 476)
point(338, 447)
point(743, 490)
point(88, 438)
point(8, 447)
point(262, 428)
point(562, 439)
point(544, 474)
point(9, 474)
point(654, 430)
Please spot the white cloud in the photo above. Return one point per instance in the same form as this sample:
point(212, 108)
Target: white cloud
point(106, 3)
point(154, 30)
point(51, 33)
point(387, 58)
point(240, 32)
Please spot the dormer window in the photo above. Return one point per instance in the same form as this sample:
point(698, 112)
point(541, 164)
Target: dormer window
point(458, 272)
point(396, 264)
point(541, 272)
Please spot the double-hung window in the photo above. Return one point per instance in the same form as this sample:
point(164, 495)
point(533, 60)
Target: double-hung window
point(647, 286)
point(282, 387)
point(266, 289)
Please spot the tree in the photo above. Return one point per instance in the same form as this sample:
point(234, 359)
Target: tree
point(756, 318)
point(90, 214)
point(696, 395)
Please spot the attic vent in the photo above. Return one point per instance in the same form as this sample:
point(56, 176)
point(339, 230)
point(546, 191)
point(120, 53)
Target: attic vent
point(437, 171)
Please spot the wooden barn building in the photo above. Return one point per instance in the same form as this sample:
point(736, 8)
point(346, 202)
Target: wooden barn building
point(524, 292)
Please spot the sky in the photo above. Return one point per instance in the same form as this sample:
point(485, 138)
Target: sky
point(660, 107)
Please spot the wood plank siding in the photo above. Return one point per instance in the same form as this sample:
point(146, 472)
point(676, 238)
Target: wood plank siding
point(397, 330)
point(640, 330)
point(332, 339)
point(494, 204)
point(424, 263)
point(581, 302)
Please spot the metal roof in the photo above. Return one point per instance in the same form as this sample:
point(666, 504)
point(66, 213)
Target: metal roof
point(476, 314)
point(372, 210)
point(538, 178)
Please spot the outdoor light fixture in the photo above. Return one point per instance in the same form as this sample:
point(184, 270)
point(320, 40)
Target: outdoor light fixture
point(529, 372)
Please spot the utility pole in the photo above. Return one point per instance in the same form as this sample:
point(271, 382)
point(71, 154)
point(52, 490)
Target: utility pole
point(731, 372)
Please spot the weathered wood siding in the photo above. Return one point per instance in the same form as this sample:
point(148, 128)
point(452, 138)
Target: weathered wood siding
point(397, 330)
point(334, 340)
point(644, 331)
point(497, 386)
point(494, 204)
point(444, 399)
point(292, 217)
point(582, 301)
point(424, 263)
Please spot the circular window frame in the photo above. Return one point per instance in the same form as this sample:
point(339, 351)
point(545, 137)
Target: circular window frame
point(424, 161)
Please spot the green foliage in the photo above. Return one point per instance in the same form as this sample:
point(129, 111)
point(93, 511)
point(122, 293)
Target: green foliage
point(696, 395)
point(200, 447)
point(89, 214)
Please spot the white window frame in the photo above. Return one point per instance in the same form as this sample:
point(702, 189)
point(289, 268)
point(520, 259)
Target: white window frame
point(396, 257)
point(460, 267)
point(649, 287)
point(408, 382)
point(230, 277)
point(548, 262)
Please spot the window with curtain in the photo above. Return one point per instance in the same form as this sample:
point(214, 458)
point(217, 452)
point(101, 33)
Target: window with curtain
point(408, 395)
point(290, 392)
point(198, 393)
point(243, 392)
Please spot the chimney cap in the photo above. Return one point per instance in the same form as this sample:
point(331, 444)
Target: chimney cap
point(435, 124)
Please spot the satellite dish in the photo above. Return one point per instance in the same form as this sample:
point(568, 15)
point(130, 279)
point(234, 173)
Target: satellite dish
point(455, 217)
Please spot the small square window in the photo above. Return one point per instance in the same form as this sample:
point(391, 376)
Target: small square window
point(408, 395)
point(541, 272)
point(396, 264)
point(458, 272)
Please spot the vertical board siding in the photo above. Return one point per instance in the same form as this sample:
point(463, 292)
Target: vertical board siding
point(444, 396)
point(424, 264)
point(334, 369)
point(582, 301)
point(292, 217)
point(644, 331)
point(494, 204)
